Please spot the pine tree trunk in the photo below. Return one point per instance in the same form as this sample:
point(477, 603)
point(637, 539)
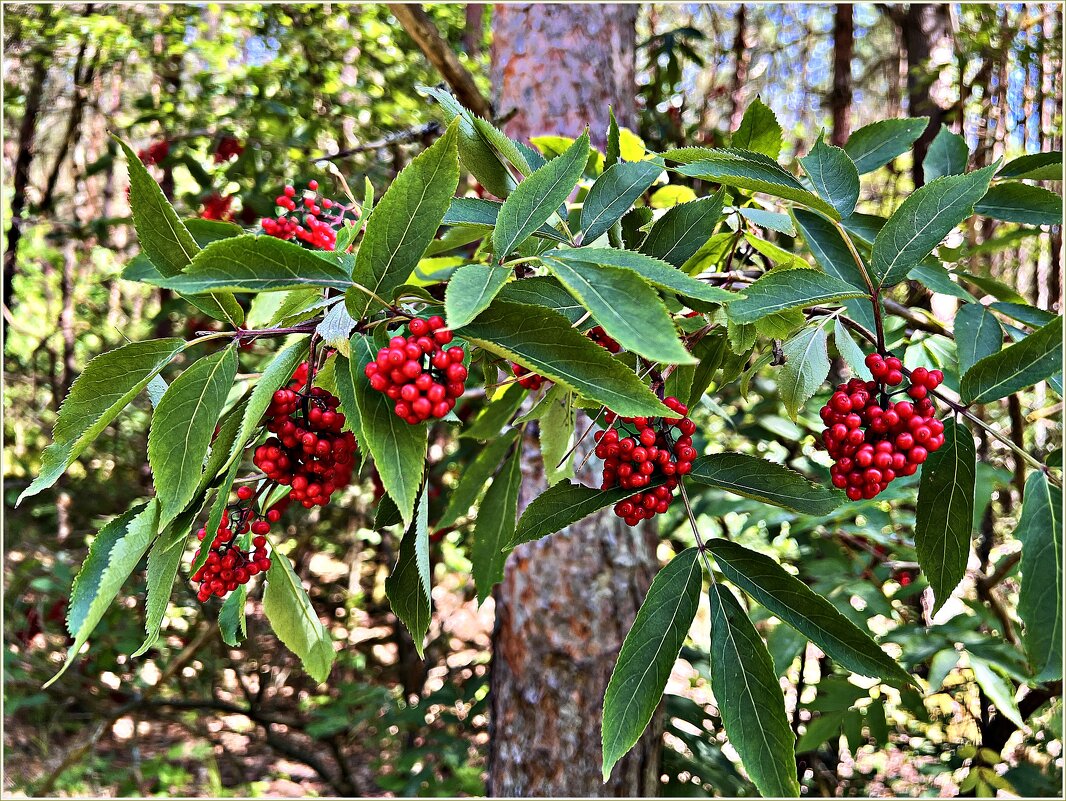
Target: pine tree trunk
point(567, 601)
point(843, 50)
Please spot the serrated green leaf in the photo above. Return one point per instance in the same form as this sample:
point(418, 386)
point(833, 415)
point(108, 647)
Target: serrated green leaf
point(543, 341)
point(922, 221)
point(1035, 167)
point(834, 176)
point(1023, 313)
point(935, 277)
point(759, 131)
point(774, 220)
point(1015, 367)
point(398, 449)
point(231, 622)
point(482, 214)
point(114, 554)
point(876, 144)
point(538, 197)
point(404, 223)
point(998, 689)
point(106, 385)
point(749, 698)
point(648, 655)
point(775, 484)
point(1021, 203)
point(828, 247)
point(626, 306)
point(944, 519)
point(1040, 598)
point(474, 476)
point(183, 425)
point(977, 334)
point(495, 527)
point(850, 351)
point(556, 429)
point(548, 292)
point(947, 155)
point(805, 369)
point(496, 415)
point(614, 146)
point(676, 236)
point(407, 587)
point(470, 291)
point(294, 620)
point(742, 336)
point(795, 603)
point(613, 193)
point(781, 290)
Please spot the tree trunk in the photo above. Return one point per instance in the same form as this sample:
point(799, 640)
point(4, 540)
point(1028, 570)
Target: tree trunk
point(924, 27)
point(843, 50)
point(741, 59)
point(567, 601)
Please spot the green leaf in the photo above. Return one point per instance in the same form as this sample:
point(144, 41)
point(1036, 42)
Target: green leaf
point(565, 503)
point(876, 144)
point(760, 480)
point(657, 273)
point(749, 698)
point(113, 555)
point(813, 616)
point(404, 223)
point(548, 292)
point(1040, 598)
point(473, 478)
point(407, 587)
point(496, 415)
point(470, 291)
point(275, 375)
point(1021, 203)
point(543, 341)
point(947, 155)
point(482, 214)
point(613, 153)
point(335, 329)
point(998, 689)
point(495, 527)
point(834, 176)
point(944, 518)
point(805, 369)
point(626, 306)
point(850, 351)
point(612, 195)
point(1035, 167)
point(398, 449)
point(1023, 313)
point(820, 730)
point(781, 290)
point(537, 197)
point(555, 431)
point(922, 221)
point(746, 170)
point(648, 655)
point(828, 247)
point(294, 620)
point(183, 425)
point(108, 383)
point(1015, 367)
point(935, 277)
point(977, 334)
point(759, 131)
point(231, 621)
point(773, 220)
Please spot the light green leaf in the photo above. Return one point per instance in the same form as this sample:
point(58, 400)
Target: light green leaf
point(294, 620)
point(335, 329)
point(183, 425)
point(749, 698)
point(482, 214)
point(470, 291)
point(1040, 599)
point(108, 383)
point(1035, 167)
point(759, 131)
point(231, 622)
point(998, 689)
point(1015, 367)
point(876, 144)
point(474, 476)
point(1021, 203)
point(834, 176)
point(760, 480)
point(612, 195)
point(774, 220)
point(922, 221)
point(781, 290)
point(947, 155)
point(496, 415)
point(404, 223)
point(407, 587)
point(977, 334)
point(495, 527)
point(537, 197)
point(850, 352)
point(556, 430)
point(944, 519)
point(805, 369)
point(648, 655)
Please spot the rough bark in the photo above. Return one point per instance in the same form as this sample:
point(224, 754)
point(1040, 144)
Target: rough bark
point(843, 51)
point(566, 602)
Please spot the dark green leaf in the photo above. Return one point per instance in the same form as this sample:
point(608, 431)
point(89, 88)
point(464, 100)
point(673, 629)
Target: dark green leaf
point(1016, 367)
point(834, 176)
point(977, 334)
point(781, 290)
point(1023, 313)
point(758, 131)
point(495, 527)
point(774, 220)
point(613, 193)
point(496, 415)
point(1035, 167)
point(470, 291)
point(752, 477)
point(548, 292)
point(828, 247)
point(294, 620)
point(1040, 599)
point(1021, 203)
point(614, 145)
point(407, 587)
point(947, 155)
point(876, 144)
point(482, 214)
point(231, 622)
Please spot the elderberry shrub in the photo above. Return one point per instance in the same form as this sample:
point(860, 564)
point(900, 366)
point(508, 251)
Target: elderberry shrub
point(527, 379)
point(640, 451)
point(316, 228)
point(417, 373)
point(874, 440)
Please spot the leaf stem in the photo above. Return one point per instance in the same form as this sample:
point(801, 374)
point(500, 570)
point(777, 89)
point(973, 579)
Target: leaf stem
point(874, 291)
point(695, 530)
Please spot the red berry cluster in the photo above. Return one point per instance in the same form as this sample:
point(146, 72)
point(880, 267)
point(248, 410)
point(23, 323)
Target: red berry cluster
point(415, 371)
point(228, 564)
point(639, 450)
point(227, 148)
point(310, 452)
point(318, 226)
point(154, 153)
point(527, 379)
point(217, 207)
point(873, 440)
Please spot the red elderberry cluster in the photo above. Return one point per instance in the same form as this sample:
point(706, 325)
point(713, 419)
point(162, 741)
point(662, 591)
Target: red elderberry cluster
point(309, 452)
point(154, 153)
point(313, 221)
point(639, 450)
point(217, 207)
point(228, 564)
point(418, 373)
point(873, 440)
point(227, 148)
point(527, 379)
